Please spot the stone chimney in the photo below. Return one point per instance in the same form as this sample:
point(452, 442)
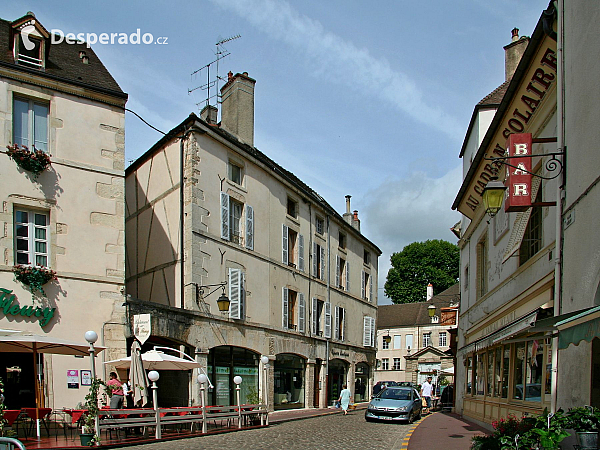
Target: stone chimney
point(355, 221)
point(513, 53)
point(429, 291)
point(209, 114)
point(237, 107)
point(348, 215)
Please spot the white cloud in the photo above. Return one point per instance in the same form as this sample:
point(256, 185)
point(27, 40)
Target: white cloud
point(334, 59)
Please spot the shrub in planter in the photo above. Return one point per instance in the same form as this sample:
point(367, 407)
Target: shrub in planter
point(34, 277)
point(585, 420)
point(89, 437)
point(34, 161)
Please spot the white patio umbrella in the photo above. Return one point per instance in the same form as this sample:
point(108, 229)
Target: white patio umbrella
point(155, 360)
point(25, 342)
point(137, 375)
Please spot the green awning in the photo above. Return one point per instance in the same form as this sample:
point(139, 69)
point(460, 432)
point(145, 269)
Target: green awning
point(582, 326)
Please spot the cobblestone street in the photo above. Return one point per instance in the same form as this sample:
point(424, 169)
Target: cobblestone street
point(330, 432)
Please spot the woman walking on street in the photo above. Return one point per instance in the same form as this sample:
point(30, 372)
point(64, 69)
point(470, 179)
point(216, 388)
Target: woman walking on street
point(344, 398)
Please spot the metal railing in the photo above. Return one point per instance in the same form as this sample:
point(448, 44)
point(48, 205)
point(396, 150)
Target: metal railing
point(12, 443)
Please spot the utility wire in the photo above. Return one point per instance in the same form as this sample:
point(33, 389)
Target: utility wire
point(142, 119)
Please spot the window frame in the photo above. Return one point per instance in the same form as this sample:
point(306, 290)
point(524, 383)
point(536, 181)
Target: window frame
point(22, 58)
point(426, 339)
point(342, 240)
point(31, 122)
point(230, 173)
point(445, 340)
point(385, 364)
point(31, 238)
point(319, 225)
point(292, 204)
point(397, 364)
point(384, 344)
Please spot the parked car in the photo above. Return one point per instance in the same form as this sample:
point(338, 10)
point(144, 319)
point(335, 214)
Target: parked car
point(395, 403)
point(380, 384)
point(407, 384)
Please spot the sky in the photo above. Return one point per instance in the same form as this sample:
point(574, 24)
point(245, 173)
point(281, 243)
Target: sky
point(364, 98)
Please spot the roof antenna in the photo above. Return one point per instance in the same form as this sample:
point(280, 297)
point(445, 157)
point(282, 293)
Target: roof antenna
point(220, 53)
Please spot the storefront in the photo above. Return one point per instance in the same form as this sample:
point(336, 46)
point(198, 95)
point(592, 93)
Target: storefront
point(361, 382)
point(289, 388)
point(338, 371)
point(225, 363)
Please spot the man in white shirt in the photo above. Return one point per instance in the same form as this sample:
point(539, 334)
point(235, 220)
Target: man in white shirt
point(426, 393)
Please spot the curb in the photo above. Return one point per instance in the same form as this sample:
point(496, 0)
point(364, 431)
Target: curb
point(406, 440)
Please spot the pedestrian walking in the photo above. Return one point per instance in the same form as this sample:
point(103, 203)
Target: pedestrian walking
point(345, 398)
point(116, 400)
point(426, 393)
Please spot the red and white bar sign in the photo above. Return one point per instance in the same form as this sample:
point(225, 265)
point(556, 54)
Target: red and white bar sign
point(518, 180)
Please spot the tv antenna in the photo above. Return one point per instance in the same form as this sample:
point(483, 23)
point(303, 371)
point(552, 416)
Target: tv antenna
point(220, 53)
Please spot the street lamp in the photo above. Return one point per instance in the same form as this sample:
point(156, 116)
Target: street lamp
point(154, 376)
point(431, 310)
point(202, 379)
point(238, 380)
point(493, 196)
point(222, 302)
point(91, 336)
point(265, 361)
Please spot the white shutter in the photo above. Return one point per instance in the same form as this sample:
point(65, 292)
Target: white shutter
point(347, 276)
point(322, 264)
point(372, 332)
point(284, 308)
point(315, 317)
point(336, 323)
point(301, 252)
point(366, 331)
point(370, 288)
point(362, 285)
point(234, 293)
point(243, 296)
point(301, 312)
point(314, 259)
point(343, 337)
point(337, 271)
point(249, 227)
point(327, 319)
point(284, 244)
point(224, 216)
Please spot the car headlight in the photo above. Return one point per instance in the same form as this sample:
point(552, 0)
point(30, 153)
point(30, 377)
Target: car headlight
point(401, 408)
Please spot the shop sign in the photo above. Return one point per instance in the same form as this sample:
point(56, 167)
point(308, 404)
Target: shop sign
point(86, 377)
point(73, 379)
point(518, 178)
point(245, 371)
point(142, 327)
point(339, 353)
point(9, 307)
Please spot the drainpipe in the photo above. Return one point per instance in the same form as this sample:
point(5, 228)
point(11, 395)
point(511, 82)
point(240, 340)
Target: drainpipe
point(182, 215)
point(329, 300)
point(560, 192)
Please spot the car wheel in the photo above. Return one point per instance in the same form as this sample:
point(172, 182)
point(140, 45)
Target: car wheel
point(368, 419)
point(411, 418)
point(418, 415)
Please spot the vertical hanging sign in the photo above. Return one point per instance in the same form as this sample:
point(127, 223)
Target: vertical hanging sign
point(142, 327)
point(518, 180)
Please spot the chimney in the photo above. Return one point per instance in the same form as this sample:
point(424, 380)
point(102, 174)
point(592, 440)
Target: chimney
point(429, 291)
point(209, 114)
point(237, 110)
point(348, 215)
point(513, 53)
point(355, 221)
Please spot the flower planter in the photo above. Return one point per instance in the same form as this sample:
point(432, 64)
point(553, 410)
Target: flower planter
point(34, 277)
point(587, 439)
point(86, 439)
point(34, 161)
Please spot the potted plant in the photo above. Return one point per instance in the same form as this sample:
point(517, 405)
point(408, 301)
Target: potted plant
point(34, 161)
point(34, 277)
point(585, 420)
point(253, 399)
point(550, 429)
point(88, 436)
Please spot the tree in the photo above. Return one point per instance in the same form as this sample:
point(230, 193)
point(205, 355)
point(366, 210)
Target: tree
point(418, 264)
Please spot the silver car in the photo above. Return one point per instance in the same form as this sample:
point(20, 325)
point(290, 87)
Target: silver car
point(397, 403)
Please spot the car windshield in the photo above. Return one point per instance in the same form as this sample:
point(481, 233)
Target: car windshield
point(395, 394)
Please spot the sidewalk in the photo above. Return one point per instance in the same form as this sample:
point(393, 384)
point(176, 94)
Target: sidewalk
point(443, 430)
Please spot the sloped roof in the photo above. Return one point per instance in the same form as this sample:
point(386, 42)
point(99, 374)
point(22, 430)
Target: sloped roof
point(411, 314)
point(63, 63)
point(496, 96)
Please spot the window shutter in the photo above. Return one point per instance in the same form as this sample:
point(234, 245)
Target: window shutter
point(327, 320)
point(249, 227)
point(372, 332)
point(284, 310)
point(301, 252)
point(337, 271)
point(347, 276)
point(362, 285)
point(366, 331)
point(322, 264)
point(343, 337)
point(284, 244)
point(234, 293)
point(301, 313)
point(314, 259)
point(243, 296)
point(520, 225)
point(315, 318)
point(336, 323)
point(370, 288)
point(224, 216)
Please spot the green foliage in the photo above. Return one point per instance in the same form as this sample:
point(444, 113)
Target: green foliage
point(484, 442)
point(34, 277)
point(35, 161)
point(584, 418)
point(91, 404)
point(252, 396)
point(418, 264)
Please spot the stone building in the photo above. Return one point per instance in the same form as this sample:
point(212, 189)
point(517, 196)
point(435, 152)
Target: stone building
point(207, 215)
point(60, 99)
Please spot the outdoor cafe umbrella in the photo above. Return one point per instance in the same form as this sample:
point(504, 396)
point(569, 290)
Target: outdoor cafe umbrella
point(137, 375)
point(155, 360)
point(25, 342)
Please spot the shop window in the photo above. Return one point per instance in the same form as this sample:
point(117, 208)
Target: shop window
point(32, 237)
point(443, 339)
point(532, 239)
point(490, 373)
point(519, 371)
point(426, 339)
point(469, 380)
point(289, 380)
point(319, 225)
point(479, 375)
point(534, 367)
point(548, 383)
point(30, 123)
point(397, 364)
point(397, 341)
point(498, 372)
point(385, 364)
point(505, 370)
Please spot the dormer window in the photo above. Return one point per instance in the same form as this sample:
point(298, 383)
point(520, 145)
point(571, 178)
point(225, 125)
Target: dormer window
point(29, 51)
point(30, 41)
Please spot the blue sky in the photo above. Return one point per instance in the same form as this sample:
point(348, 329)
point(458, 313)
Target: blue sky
point(370, 99)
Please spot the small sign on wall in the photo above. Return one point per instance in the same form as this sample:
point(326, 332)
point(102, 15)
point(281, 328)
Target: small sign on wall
point(86, 377)
point(142, 327)
point(73, 379)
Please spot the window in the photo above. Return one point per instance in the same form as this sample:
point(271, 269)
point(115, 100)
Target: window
point(385, 345)
point(366, 287)
point(397, 364)
point(489, 387)
point(292, 248)
point(505, 370)
point(366, 257)
point(469, 387)
point(339, 323)
point(443, 341)
point(342, 240)
point(318, 261)
point(317, 316)
point(482, 262)
point(232, 224)
point(465, 280)
point(498, 372)
point(30, 123)
point(293, 316)
point(235, 218)
point(480, 374)
point(409, 341)
point(532, 239)
point(29, 57)
point(31, 238)
point(368, 331)
point(319, 225)
point(426, 339)
point(235, 173)
point(385, 364)
point(292, 208)
point(237, 294)
point(342, 271)
point(397, 341)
